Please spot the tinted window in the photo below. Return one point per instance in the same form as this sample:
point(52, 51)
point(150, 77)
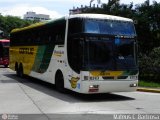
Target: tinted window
point(75, 26)
point(1, 50)
point(52, 33)
point(109, 27)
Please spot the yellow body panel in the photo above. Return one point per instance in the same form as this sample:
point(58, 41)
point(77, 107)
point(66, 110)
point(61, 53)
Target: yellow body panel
point(25, 55)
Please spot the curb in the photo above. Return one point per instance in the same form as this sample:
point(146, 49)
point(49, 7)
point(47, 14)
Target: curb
point(148, 90)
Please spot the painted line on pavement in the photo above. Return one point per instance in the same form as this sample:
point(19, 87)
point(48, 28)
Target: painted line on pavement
point(148, 90)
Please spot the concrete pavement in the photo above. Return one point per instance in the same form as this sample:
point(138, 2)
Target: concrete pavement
point(31, 96)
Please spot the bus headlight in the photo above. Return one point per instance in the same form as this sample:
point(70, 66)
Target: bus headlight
point(133, 85)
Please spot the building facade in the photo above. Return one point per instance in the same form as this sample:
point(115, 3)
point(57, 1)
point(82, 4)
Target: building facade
point(34, 16)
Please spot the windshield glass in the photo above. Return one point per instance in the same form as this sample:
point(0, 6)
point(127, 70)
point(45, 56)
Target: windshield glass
point(125, 53)
point(109, 27)
point(109, 53)
point(99, 53)
point(101, 45)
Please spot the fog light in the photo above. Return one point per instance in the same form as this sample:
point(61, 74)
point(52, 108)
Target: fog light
point(93, 88)
point(133, 85)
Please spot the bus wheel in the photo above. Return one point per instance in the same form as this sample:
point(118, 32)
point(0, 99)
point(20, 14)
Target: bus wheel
point(20, 71)
point(16, 68)
point(59, 82)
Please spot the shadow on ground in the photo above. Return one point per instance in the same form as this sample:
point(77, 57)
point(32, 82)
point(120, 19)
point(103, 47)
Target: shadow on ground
point(69, 96)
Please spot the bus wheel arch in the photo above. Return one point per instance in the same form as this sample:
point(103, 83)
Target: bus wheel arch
point(59, 81)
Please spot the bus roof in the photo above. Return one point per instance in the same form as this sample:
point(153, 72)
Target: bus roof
point(36, 25)
point(28, 27)
point(83, 16)
point(100, 16)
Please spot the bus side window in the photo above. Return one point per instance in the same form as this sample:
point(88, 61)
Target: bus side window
point(24, 38)
point(60, 33)
point(47, 36)
point(13, 37)
point(19, 39)
point(59, 39)
point(52, 38)
point(38, 39)
point(50, 35)
point(1, 50)
point(29, 38)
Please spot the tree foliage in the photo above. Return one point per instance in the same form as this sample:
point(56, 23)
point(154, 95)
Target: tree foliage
point(7, 23)
point(149, 65)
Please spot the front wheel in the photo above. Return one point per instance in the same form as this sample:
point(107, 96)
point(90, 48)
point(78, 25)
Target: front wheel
point(59, 82)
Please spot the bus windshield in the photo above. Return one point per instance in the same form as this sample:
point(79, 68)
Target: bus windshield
point(109, 27)
point(101, 45)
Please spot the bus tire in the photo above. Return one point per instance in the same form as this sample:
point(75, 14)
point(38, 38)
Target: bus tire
point(59, 82)
point(16, 68)
point(20, 71)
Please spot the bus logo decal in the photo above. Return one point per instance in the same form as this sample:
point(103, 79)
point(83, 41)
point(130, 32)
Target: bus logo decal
point(26, 51)
point(74, 81)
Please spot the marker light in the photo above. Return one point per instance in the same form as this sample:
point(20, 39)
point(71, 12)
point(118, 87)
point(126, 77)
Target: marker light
point(93, 88)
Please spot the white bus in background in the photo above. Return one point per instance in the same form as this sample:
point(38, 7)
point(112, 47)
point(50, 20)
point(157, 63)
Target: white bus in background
point(85, 53)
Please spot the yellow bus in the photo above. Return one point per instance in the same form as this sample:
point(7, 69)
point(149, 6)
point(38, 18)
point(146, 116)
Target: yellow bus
point(85, 53)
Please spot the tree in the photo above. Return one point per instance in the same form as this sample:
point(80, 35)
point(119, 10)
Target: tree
point(7, 23)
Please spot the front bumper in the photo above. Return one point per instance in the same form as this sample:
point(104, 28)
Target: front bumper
point(90, 87)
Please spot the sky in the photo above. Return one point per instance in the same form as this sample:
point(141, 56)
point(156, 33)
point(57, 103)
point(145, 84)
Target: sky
point(54, 8)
